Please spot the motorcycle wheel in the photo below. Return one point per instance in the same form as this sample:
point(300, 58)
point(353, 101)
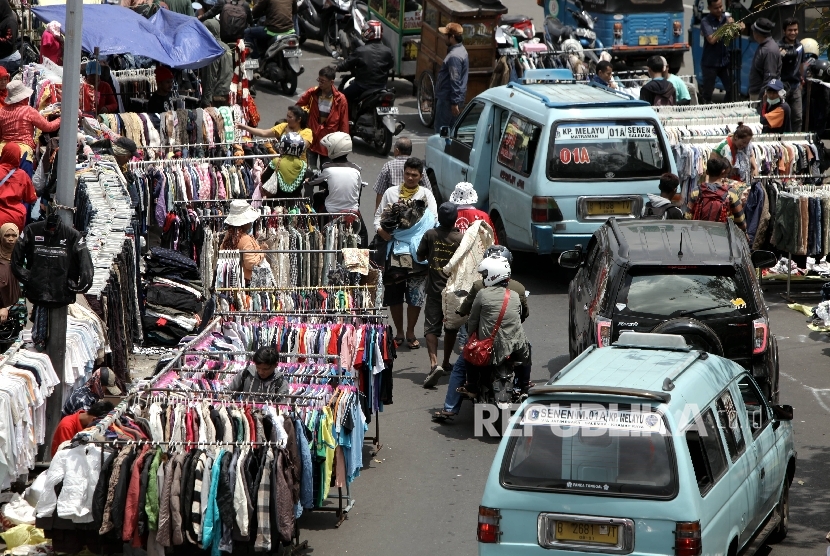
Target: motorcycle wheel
point(289, 86)
point(383, 143)
point(331, 42)
point(345, 44)
point(426, 99)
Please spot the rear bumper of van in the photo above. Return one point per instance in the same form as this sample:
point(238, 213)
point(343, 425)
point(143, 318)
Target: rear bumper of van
point(546, 242)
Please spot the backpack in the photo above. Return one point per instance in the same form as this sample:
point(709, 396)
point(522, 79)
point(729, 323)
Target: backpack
point(664, 99)
point(712, 206)
point(656, 213)
point(233, 20)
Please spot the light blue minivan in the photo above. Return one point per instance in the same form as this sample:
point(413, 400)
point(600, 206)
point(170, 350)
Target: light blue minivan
point(645, 447)
point(552, 159)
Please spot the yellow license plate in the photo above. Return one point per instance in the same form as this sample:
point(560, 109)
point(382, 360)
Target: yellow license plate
point(611, 208)
point(586, 532)
point(648, 40)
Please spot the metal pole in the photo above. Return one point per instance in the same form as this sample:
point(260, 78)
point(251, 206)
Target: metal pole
point(56, 345)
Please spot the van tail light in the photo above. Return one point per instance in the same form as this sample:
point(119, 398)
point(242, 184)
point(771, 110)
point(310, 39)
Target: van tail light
point(603, 332)
point(545, 209)
point(618, 30)
point(488, 525)
point(760, 335)
point(687, 539)
point(678, 28)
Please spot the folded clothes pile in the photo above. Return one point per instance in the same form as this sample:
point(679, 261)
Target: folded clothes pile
point(172, 303)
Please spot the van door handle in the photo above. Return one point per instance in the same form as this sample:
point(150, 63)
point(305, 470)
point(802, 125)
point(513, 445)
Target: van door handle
point(763, 473)
point(464, 171)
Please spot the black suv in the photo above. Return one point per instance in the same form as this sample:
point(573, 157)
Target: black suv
point(692, 278)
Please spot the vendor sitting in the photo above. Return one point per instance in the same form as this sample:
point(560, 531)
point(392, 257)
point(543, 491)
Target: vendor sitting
point(98, 97)
point(164, 89)
point(261, 376)
point(73, 424)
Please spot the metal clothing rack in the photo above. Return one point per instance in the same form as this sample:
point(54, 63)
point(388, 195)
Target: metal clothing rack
point(749, 104)
point(293, 288)
point(290, 215)
point(229, 314)
point(163, 161)
point(265, 200)
point(760, 138)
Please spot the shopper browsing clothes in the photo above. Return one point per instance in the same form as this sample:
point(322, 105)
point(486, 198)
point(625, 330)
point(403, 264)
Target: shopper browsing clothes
point(238, 230)
point(261, 376)
point(75, 423)
point(716, 200)
point(18, 121)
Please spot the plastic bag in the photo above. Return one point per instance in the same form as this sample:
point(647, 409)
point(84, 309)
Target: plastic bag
point(22, 534)
point(18, 511)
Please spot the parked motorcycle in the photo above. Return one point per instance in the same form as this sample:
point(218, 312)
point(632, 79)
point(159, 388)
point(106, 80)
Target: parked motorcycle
point(337, 23)
point(281, 63)
point(581, 42)
point(374, 119)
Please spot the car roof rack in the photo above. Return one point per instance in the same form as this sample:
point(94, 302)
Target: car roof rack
point(620, 237)
point(602, 391)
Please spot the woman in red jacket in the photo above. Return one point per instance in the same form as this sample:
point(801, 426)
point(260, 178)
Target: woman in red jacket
point(328, 111)
point(16, 188)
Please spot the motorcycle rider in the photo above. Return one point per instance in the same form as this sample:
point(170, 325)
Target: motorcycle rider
point(369, 64)
point(279, 20)
point(509, 341)
point(452, 401)
point(234, 17)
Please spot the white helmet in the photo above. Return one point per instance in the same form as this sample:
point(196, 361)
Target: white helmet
point(494, 270)
point(810, 47)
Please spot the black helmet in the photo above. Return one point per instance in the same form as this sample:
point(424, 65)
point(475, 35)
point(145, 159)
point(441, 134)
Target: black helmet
point(820, 69)
point(499, 251)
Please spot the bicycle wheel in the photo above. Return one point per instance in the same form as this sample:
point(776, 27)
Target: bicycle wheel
point(426, 99)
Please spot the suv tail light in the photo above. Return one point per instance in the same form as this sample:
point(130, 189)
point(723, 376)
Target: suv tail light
point(603, 332)
point(760, 335)
point(678, 28)
point(488, 525)
point(687, 539)
point(545, 209)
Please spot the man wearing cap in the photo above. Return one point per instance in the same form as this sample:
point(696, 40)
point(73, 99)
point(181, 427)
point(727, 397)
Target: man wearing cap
point(775, 113)
point(164, 88)
point(766, 64)
point(451, 87)
point(437, 248)
point(97, 97)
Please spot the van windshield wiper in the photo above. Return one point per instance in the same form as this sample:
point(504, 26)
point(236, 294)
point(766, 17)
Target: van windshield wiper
point(693, 311)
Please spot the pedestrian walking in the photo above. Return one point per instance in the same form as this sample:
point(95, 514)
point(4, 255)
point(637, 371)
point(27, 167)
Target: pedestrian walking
point(391, 175)
point(792, 70)
point(682, 91)
point(658, 91)
point(451, 87)
point(715, 61)
point(766, 64)
point(437, 248)
point(328, 111)
point(716, 200)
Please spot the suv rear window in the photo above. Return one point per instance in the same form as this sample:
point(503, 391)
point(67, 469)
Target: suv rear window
point(606, 151)
point(701, 292)
point(599, 449)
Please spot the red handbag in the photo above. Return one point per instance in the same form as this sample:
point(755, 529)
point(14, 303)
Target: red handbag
point(480, 352)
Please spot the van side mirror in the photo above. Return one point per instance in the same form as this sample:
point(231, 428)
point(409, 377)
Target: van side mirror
point(763, 259)
point(783, 412)
point(571, 259)
point(444, 131)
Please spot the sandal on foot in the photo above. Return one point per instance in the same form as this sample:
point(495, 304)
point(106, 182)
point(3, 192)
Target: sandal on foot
point(413, 343)
point(443, 415)
point(399, 341)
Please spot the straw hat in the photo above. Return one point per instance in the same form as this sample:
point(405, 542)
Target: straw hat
point(464, 194)
point(241, 214)
point(17, 91)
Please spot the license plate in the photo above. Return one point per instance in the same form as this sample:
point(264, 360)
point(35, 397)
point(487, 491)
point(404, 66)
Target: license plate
point(608, 208)
point(293, 52)
point(388, 110)
point(649, 40)
point(586, 532)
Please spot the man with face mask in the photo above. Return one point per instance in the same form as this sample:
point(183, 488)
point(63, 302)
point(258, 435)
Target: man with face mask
point(775, 113)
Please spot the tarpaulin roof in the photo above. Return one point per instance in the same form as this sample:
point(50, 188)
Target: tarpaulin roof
point(175, 40)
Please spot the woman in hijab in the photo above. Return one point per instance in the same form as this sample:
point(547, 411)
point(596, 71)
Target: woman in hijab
point(9, 286)
point(16, 188)
point(51, 43)
point(9, 55)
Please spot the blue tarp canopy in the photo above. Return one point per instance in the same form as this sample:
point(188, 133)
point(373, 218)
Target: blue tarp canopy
point(175, 40)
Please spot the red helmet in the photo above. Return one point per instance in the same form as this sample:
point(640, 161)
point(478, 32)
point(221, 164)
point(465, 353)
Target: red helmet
point(373, 31)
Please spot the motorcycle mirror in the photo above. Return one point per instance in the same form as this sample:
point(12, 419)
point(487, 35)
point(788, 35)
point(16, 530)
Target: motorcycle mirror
point(578, 5)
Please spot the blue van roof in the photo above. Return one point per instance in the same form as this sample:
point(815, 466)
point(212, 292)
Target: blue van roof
point(694, 376)
point(576, 95)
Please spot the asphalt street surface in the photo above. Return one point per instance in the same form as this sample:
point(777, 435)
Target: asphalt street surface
point(420, 494)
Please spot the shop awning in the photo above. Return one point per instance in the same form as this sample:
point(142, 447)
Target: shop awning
point(175, 40)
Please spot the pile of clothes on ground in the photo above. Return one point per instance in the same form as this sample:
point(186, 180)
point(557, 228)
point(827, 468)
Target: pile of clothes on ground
point(173, 300)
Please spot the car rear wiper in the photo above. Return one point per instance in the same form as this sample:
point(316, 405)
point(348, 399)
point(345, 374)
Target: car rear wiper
point(693, 311)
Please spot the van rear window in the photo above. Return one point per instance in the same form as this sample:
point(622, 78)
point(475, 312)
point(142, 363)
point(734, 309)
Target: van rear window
point(598, 449)
point(606, 151)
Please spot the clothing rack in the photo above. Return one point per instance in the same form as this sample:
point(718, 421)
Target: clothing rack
point(290, 215)
point(293, 288)
point(212, 395)
point(245, 141)
point(749, 104)
point(265, 200)
point(243, 251)
point(760, 138)
point(162, 161)
point(303, 314)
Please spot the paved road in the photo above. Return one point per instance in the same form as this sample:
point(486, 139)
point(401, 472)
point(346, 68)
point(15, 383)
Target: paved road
point(419, 495)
